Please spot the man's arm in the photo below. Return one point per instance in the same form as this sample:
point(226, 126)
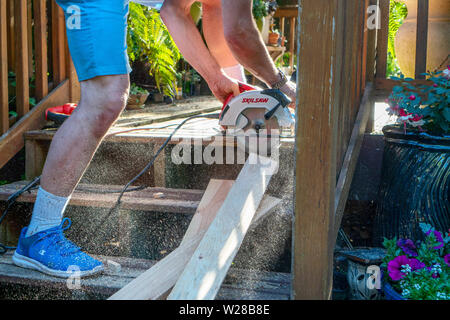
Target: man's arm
point(176, 16)
point(247, 45)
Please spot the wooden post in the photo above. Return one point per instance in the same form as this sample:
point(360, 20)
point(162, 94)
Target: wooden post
point(370, 67)
point(4, 111)
point(382, 42)
point(315, 150)
point(40, 45)
point(58, 45)
point(421, 38)
point(22, 84)
point(291, 43)
point(11, 36)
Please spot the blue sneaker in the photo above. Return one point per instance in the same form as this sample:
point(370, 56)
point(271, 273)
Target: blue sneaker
point(50, 252)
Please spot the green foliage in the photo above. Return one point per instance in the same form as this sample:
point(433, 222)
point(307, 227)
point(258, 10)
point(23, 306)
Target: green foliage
point(135, 89)
point(260, 9)
point(430, 103)
point(149, 40)
point(398, 13)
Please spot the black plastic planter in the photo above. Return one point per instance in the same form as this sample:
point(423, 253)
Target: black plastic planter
point(415, 184)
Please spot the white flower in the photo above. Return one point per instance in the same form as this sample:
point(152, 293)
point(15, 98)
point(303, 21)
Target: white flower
point(405, 293)
point(446, 73)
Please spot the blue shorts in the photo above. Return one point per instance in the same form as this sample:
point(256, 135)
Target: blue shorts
point(97, 33)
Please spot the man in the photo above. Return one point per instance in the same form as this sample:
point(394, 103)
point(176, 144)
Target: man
point(98, 49)
point(233, 41)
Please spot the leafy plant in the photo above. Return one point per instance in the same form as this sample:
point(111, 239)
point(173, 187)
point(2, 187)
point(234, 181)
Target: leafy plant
point(135, 89)
point(419, 271)
point(149, 40)
point(423, 106)
point(397, 14)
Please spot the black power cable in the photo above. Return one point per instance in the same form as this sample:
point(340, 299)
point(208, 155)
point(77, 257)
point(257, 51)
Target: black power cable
point(12, 199)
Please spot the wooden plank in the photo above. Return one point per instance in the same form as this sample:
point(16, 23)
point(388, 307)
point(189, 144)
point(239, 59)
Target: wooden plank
point(35, 156)
point(12, 141)
point(421, 38)
point(286, 13)
point(22, 80)
point(351, 158)
point(150, 199)
point(11, 36)
point(40, 46)
point(206, 270)
point(58, 43)
point(371, 50)
point(263, 285)
point(382, 40)
point(30, 38)
point(315, 170)
point(4, 110)
point(155, 282)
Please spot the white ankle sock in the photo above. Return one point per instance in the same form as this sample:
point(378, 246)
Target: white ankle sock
point(47, 213)
point(236, 72)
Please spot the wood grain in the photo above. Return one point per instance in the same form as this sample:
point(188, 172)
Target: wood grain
point(315, 171)
point(203, 275)
point(173, 200)
point(22, 80)
point(12, 141)
point(4, 110)
point(155, 282)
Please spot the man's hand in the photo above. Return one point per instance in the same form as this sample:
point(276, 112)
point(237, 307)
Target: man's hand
point(290, 89)
point(222, 86)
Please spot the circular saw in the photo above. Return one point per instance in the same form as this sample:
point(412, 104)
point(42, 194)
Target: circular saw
point(256, 117)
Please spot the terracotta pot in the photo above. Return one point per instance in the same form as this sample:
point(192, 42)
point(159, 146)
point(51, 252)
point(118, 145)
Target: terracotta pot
point(438, 37)
point(273, 38)
point(136, 101)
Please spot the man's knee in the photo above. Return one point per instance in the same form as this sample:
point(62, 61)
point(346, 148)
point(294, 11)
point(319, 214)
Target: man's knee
point(106, 97)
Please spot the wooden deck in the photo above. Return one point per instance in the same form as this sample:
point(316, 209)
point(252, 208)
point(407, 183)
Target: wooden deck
point(239, 284)
point(150, 199)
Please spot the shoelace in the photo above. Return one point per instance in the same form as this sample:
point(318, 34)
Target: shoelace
point(58, 240)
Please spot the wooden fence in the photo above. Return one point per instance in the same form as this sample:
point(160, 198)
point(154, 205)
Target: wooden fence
point(35, 56)
point(382, 44)
point(334, 100)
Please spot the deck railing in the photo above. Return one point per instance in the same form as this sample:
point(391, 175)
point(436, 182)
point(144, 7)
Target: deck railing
point(334, 103)
point(34, 55)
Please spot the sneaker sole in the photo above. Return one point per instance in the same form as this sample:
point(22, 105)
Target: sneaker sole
point(28, 263)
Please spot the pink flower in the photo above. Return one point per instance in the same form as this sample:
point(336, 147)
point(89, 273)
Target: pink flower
point(412, 97)
point(447, 259)
point(401, 265)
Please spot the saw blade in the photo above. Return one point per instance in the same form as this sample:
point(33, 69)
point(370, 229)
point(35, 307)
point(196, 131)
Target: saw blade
point(255, 134)
point(255, 121)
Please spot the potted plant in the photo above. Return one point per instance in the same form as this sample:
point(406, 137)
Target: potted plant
point(274, 35)
point(417, 270)
point(415, 178)
point(137, 97)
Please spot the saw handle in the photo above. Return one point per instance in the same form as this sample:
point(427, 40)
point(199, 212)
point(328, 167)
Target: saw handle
point(243, 87)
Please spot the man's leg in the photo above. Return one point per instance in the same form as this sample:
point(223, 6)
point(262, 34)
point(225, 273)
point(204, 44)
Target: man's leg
point(102, 100)
point(98, 49)
point(215, 39)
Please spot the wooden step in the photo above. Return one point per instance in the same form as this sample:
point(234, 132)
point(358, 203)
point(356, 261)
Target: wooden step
point(150, 199)
point(238, 285)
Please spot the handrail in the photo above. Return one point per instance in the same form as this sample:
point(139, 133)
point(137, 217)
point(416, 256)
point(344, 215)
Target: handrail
point(34, 60)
